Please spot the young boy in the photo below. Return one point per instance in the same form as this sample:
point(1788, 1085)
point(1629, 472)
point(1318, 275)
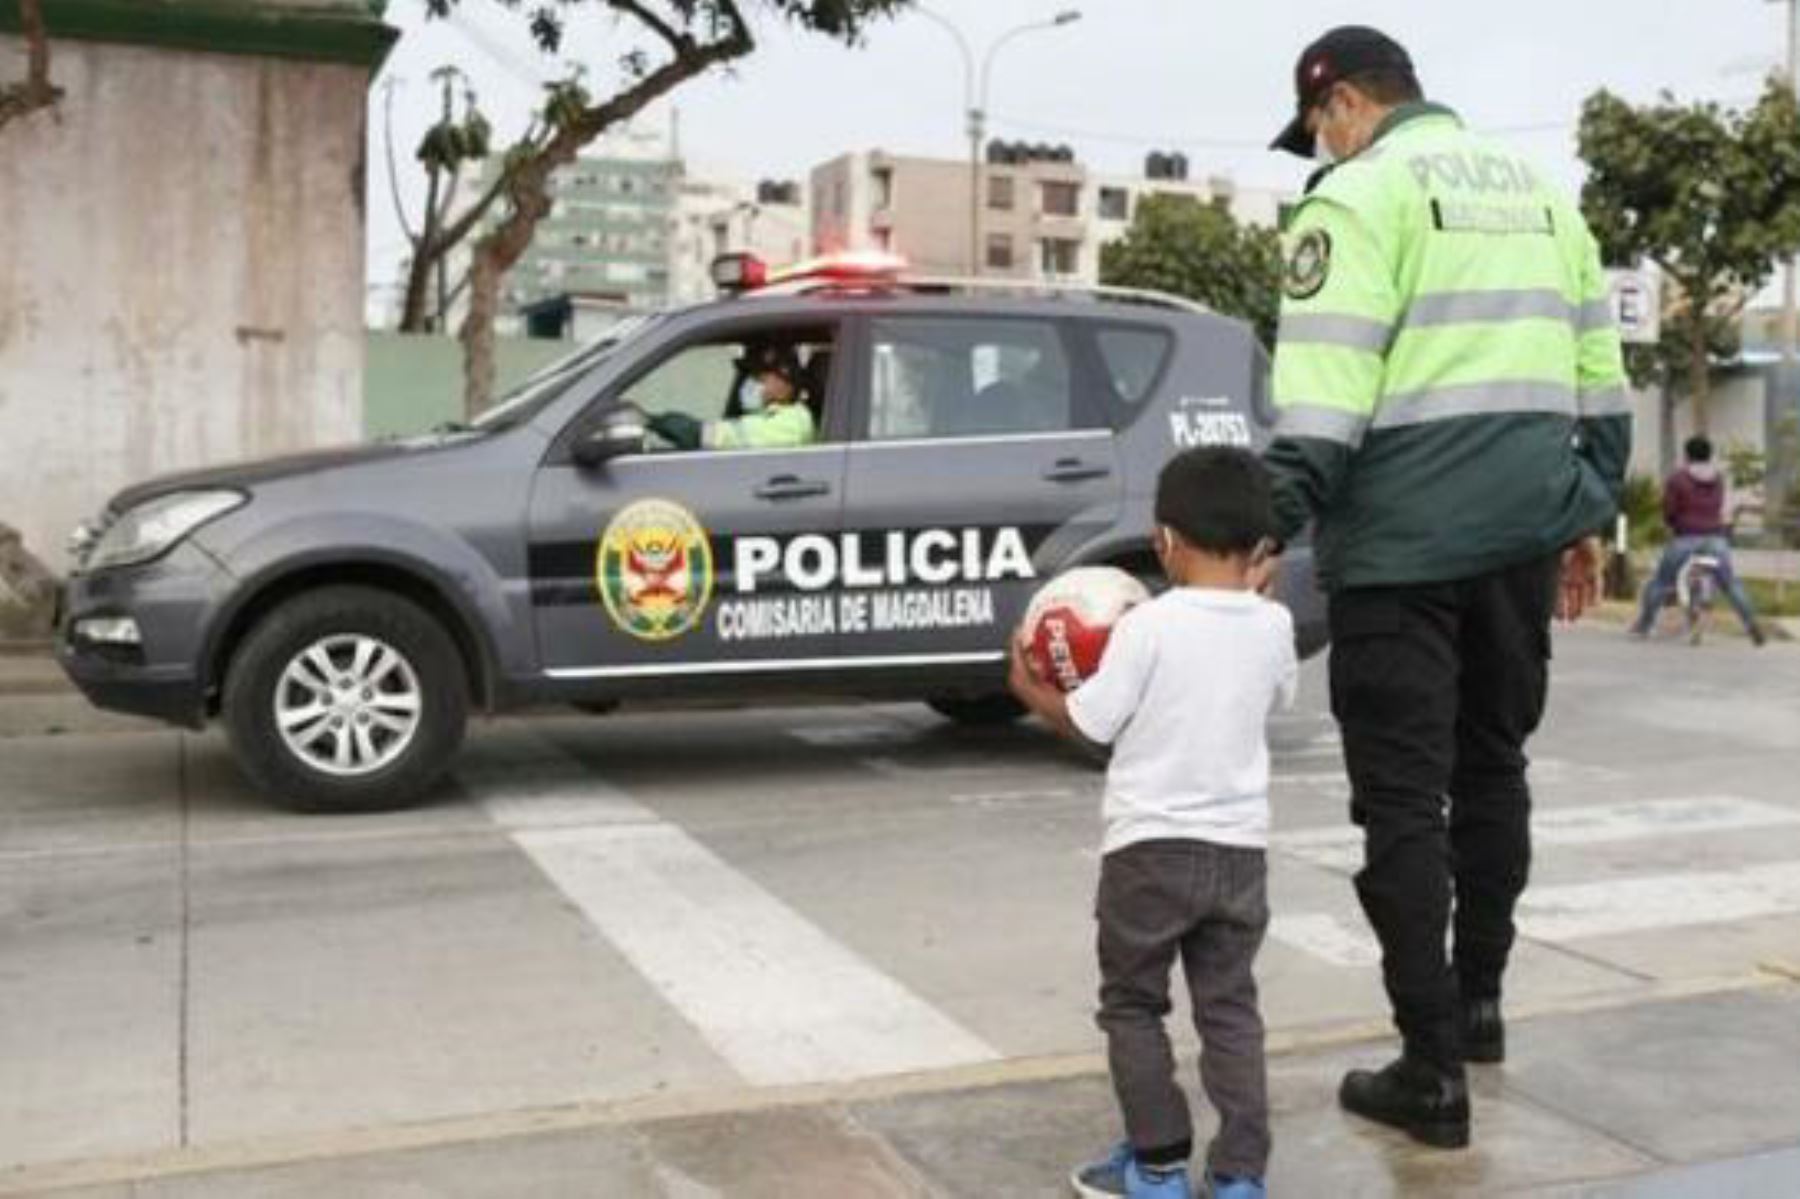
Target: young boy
point(1182, 694)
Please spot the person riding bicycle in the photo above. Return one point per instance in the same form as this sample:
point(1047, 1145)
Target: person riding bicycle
point(1694, 509)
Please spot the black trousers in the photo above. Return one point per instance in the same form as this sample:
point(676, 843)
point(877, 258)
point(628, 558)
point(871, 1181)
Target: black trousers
point(1437, 688)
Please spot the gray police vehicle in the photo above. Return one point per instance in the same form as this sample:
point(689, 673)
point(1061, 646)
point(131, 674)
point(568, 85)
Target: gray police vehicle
point(343, 611)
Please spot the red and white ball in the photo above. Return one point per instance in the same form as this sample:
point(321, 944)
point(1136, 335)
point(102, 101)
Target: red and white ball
point(1071, 618)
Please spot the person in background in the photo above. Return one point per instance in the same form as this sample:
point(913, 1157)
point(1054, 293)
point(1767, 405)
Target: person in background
point(1694, 509)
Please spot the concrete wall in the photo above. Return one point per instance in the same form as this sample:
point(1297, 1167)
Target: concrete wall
point(181, 272)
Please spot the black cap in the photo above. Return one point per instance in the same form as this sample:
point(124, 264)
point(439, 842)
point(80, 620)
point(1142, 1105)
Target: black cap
point(766, 357)
point(1343, 53)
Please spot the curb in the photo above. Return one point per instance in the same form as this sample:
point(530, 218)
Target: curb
point(195, 1161)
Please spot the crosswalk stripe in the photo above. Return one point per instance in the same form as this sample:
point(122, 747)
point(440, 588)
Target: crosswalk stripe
point(1339, 847)
point(1580, 910)
point(779, 999)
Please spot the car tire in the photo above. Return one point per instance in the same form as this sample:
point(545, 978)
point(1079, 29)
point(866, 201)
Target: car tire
point(978, 711)
point(346, 666)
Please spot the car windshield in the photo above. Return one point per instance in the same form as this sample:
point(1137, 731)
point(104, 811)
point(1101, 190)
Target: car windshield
point(530, 397)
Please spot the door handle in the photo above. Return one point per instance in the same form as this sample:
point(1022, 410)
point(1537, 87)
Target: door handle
point(791, 487)
point(1074, 470)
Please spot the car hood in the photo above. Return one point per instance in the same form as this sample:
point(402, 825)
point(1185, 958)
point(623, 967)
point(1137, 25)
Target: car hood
point(266, 470)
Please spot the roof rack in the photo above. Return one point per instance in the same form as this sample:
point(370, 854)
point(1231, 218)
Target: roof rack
point(950, 285)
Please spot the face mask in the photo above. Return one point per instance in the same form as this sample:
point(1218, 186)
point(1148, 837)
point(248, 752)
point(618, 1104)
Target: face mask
point(750, 396)
point(1322, 152)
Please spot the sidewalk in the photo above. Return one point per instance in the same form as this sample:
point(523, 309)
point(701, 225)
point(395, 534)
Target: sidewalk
point(1690, 1094)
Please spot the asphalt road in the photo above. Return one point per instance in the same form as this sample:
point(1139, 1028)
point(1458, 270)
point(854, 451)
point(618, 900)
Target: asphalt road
point(667, 909)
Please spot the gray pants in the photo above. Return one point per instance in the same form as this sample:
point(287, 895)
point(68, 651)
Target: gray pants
point(1209, 905)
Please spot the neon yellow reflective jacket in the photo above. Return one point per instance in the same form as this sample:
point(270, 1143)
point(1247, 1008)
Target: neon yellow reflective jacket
point(772, 427)
point(1449, 380)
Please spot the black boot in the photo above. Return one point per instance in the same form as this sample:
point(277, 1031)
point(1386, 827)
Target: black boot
point(1420, 1099)
point(1484, 1032)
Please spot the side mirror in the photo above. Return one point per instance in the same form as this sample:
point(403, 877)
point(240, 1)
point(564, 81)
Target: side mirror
point(618, 433)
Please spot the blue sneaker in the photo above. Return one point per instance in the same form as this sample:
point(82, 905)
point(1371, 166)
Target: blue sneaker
point(1234, 1188)
point(1120, 1175)
point(1105, 1178)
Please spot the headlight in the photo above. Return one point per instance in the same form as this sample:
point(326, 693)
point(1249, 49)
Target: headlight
point(154, 527)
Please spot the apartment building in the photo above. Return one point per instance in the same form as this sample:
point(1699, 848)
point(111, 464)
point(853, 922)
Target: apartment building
point(1042, 214)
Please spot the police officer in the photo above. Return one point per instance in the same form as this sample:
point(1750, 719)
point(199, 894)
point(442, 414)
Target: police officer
point(1453, 416)
point(782, 422)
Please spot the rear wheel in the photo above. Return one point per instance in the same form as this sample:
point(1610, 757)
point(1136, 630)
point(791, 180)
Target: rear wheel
point(978, 710)
point(346, 699)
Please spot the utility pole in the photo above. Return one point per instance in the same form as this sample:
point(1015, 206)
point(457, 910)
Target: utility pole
point(443, 269)
point(1790, 287)
point(975, 99)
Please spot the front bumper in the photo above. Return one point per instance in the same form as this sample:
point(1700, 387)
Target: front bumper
point(172, 601)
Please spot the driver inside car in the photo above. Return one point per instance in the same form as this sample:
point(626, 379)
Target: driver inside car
point(782, 422)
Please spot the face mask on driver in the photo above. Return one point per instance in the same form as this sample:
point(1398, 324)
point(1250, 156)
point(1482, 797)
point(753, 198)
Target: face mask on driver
point(750, 395)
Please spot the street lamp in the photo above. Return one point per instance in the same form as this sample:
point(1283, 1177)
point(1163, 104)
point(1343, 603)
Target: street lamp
point(975, 99)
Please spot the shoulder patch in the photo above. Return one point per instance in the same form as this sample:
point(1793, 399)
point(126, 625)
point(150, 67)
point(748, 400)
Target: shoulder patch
point(1308, 266)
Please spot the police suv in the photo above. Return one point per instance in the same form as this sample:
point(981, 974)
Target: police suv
point(342, 611)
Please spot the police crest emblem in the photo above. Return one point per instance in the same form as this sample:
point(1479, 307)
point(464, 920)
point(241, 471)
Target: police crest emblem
point(654, 570)
point(1308, 266)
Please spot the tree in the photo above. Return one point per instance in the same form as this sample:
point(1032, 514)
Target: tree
point(1711, 196)
point(667, 43)
point(1183, 245)
point(35, 91)
point(455, 140)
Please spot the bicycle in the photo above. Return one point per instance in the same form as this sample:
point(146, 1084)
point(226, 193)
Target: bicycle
point(1697, 585)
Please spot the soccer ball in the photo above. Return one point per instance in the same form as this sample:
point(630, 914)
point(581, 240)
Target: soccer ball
point(1071, 618)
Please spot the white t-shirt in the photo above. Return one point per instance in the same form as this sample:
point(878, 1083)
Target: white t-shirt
point(1183, 694)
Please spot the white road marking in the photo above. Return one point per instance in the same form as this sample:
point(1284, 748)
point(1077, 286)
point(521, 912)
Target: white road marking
point(1329, 938)
point(1554, 915)
point(773, 994)
point(1544, 772)
point(1668, 901)
point(1572, 912)
point(1339, 847)
point(830, 735)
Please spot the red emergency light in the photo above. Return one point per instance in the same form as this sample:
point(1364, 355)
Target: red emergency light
point(746, 272)
point(739, 272)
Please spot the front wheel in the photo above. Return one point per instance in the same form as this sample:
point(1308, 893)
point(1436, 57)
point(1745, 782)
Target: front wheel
point(346, 699)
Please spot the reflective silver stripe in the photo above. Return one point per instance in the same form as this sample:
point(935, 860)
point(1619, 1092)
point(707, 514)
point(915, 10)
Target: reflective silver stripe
point(1595, 314)
point(1322, 423)
point(1604, 401)
point(1330, 329)
point(1474, 399)
point(1512, 304)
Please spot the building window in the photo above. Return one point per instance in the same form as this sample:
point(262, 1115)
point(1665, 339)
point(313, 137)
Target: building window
point(884, 239)
point(1060, 256)
point(1000, 251)
point(883, 180)
point(1115, 204)
point(1061, 199)
point(1000, 193)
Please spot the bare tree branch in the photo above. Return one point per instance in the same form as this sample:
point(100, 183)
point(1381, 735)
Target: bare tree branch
point(676, 40)
point(393, 167)
point(527, 186)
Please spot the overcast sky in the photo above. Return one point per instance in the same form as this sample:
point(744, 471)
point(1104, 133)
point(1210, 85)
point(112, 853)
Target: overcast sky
point(1212, 78)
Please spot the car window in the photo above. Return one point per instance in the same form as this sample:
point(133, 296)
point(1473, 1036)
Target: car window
point(1134, 360)
point(541, 389)
point(950, 377)
point(697, 380)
